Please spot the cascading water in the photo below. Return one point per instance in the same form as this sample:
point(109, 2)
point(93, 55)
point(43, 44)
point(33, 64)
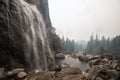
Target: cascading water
point(30, 27)
point(36, 25)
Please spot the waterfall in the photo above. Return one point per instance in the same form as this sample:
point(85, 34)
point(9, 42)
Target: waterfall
point(27, 33)
point(33, 19)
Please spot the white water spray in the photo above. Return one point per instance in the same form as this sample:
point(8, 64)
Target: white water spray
point(36, 33)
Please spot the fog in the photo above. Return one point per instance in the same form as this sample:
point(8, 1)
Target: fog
point(78, 19)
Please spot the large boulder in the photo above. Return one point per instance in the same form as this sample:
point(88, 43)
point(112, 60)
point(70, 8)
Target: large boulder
point(21, 75)
point(67, 73)
point(71, 70)
point(83, 58)
point(70, 73)
point(94, 62)
point(14, 72)
point(60, 56)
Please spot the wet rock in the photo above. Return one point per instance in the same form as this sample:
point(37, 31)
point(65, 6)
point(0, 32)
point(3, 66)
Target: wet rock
point(58, 68)
point(74, 56)
point(2, 73)
point(60, 56)
point(95, 57)
point(64, 65)
point(104, 68)
point(70, 73)
point(42, 76)
point(94, 62)
point(83, 58)
point(113, 74)
point(107, 75)
point(67, 73)
point(14, 72)
point(117, 67)
point(21, 75)
point(71, 70)
point(73, 77)
point(92, 72)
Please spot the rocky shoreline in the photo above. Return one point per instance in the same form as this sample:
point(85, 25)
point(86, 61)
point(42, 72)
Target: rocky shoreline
point(100, 68)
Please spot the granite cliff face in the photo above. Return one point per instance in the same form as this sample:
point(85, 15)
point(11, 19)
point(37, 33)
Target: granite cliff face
point(24, 39)
point(54, 40)
point(42, 5)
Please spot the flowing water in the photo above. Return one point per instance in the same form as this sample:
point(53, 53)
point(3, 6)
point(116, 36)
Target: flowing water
point(73, 62)
point(32, 30)
point(34, 20)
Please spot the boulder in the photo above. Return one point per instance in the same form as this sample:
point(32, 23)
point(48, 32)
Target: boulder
point(113, 74)
point(2, 73)
point(21, 75)
point(107, 74)
point(14, 72)
point(92, 72)
point(60, 56)
point(58, 68)
point(83, 58)
point(94, 62)
point(42, 76)
point(71, 70)
point(73, 77)
point(69, 73)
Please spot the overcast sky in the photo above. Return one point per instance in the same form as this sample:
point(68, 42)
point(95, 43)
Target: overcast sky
point(78, 19)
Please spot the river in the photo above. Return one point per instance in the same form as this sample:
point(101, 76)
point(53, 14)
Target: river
point(73, 62)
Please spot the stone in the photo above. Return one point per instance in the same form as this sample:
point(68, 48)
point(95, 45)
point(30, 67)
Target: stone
point(93, 71)
point(113, 74)
point(2, 73)
point(71, 70)
point(42, 76)
point(58, 68)
point(67, 73)
point(94, 62)
point(73, 77)
point(84, 58)
point(14, 72)
point(60, 56)
point(21, 75)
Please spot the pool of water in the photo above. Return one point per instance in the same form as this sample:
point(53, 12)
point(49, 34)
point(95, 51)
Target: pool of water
point(74, 62)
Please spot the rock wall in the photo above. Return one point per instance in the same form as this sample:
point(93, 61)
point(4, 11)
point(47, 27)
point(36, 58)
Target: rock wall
point(24, 39)
point(54, 39)
point(43, 8)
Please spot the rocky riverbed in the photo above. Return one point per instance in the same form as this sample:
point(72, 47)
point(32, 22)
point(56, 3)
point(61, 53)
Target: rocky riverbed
point(100, 68)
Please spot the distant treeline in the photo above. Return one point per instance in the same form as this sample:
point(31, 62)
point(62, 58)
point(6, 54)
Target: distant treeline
point(72, 46)
point(93, 46)
point(103, 46)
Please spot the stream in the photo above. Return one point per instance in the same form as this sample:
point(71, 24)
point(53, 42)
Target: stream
point(73, 62)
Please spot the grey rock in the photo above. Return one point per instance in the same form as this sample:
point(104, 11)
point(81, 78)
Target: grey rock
point(2, 73)
point(14, 72)
point(60, 56)
point(21, 75)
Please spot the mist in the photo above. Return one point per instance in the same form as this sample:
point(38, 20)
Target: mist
point(78, 19)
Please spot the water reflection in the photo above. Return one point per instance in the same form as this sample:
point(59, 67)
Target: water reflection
point(73, 61)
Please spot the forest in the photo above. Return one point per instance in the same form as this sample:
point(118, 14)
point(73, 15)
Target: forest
point(94, 46)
